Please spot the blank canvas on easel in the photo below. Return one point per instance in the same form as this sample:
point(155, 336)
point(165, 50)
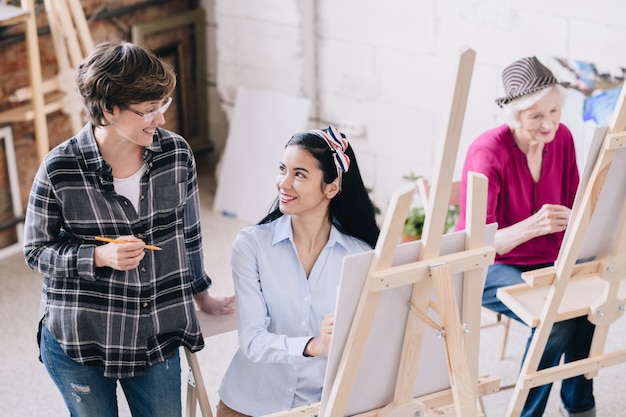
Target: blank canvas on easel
point(602, 230)
point(376, 378)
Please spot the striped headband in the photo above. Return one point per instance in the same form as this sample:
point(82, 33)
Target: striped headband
point(338, 144)
point(526, 76)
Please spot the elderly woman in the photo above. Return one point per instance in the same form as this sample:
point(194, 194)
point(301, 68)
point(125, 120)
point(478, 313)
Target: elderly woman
point(530, 162)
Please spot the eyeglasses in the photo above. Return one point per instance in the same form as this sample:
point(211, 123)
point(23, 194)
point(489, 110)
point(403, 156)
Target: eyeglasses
point(150, 116)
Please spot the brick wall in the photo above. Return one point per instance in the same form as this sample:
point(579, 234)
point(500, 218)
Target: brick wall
point(111, 20)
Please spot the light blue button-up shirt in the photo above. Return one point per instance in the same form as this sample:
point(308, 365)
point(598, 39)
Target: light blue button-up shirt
point(278, 311)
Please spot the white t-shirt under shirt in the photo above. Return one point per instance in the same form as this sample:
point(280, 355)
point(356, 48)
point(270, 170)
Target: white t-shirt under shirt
point(129, 187)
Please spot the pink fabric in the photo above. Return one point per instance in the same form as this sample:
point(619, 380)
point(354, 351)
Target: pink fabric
point(513, 194)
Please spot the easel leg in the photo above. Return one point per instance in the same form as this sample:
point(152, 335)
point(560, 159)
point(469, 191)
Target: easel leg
point(191, 401)
point(36, 82)
point(464, 389)
point(199, 391)
point(529, 368)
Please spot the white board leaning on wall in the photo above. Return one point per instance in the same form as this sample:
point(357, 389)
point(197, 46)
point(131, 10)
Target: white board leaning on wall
point(261, 124)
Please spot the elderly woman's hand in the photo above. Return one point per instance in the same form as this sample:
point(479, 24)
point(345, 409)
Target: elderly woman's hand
point(550, 218)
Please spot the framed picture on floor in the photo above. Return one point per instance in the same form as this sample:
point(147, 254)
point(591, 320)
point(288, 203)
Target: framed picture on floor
point(180, 41)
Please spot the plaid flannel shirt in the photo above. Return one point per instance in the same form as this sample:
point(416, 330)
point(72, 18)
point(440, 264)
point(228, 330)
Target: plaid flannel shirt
point(119, 321)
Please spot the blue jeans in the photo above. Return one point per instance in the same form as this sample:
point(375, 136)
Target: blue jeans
point(570, 339)
point(88, 393)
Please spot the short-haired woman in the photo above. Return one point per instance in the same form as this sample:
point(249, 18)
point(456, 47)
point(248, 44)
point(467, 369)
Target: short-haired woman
point(117, 312)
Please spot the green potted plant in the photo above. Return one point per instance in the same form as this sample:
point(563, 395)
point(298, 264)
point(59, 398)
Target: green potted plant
point(414, 224)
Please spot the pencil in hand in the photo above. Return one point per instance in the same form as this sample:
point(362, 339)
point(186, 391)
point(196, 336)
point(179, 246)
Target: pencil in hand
point(109, 240)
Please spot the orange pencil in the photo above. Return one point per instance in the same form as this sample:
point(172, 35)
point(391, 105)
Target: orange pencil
point(106, 239)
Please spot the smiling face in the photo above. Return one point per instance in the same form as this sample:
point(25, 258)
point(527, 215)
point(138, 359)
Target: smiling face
point(138, 122)
point(301, 189)
point(539, 123)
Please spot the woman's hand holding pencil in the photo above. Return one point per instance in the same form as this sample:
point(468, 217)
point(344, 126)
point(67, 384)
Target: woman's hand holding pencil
point(109, 240)
point(123, 253)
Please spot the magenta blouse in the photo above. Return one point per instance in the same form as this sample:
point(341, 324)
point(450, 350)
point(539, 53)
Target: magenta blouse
point(513, 194)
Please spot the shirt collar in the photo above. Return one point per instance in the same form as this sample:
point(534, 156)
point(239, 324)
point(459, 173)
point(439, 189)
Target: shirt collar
point(283, 231)
point(88, 148)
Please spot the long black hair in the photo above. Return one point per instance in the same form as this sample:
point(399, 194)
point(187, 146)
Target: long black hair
point(351, 211)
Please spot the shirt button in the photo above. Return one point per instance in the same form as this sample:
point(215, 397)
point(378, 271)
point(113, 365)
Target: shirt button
point(291, 389)
point(306, 299)
point(295, 367)
point(143, 269)
point(145, 304)
point(303, 323)
point(141, 197)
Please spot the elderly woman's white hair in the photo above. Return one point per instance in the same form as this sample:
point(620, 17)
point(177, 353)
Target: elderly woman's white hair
point(511, 110)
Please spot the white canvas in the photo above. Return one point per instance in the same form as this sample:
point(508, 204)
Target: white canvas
point(261, 125)
point(601, 233)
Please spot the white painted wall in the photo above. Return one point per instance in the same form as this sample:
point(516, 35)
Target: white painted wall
point(389, 66)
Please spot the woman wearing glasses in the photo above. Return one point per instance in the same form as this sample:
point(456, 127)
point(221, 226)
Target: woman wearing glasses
point(118, 312)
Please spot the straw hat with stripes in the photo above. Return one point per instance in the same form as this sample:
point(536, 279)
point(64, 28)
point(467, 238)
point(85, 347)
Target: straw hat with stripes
point(526, 76)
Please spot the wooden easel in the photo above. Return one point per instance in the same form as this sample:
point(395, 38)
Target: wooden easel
point(36, 110)
point(432, 272)
point(211, 325)
point(570, 289)
point(72, 41)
